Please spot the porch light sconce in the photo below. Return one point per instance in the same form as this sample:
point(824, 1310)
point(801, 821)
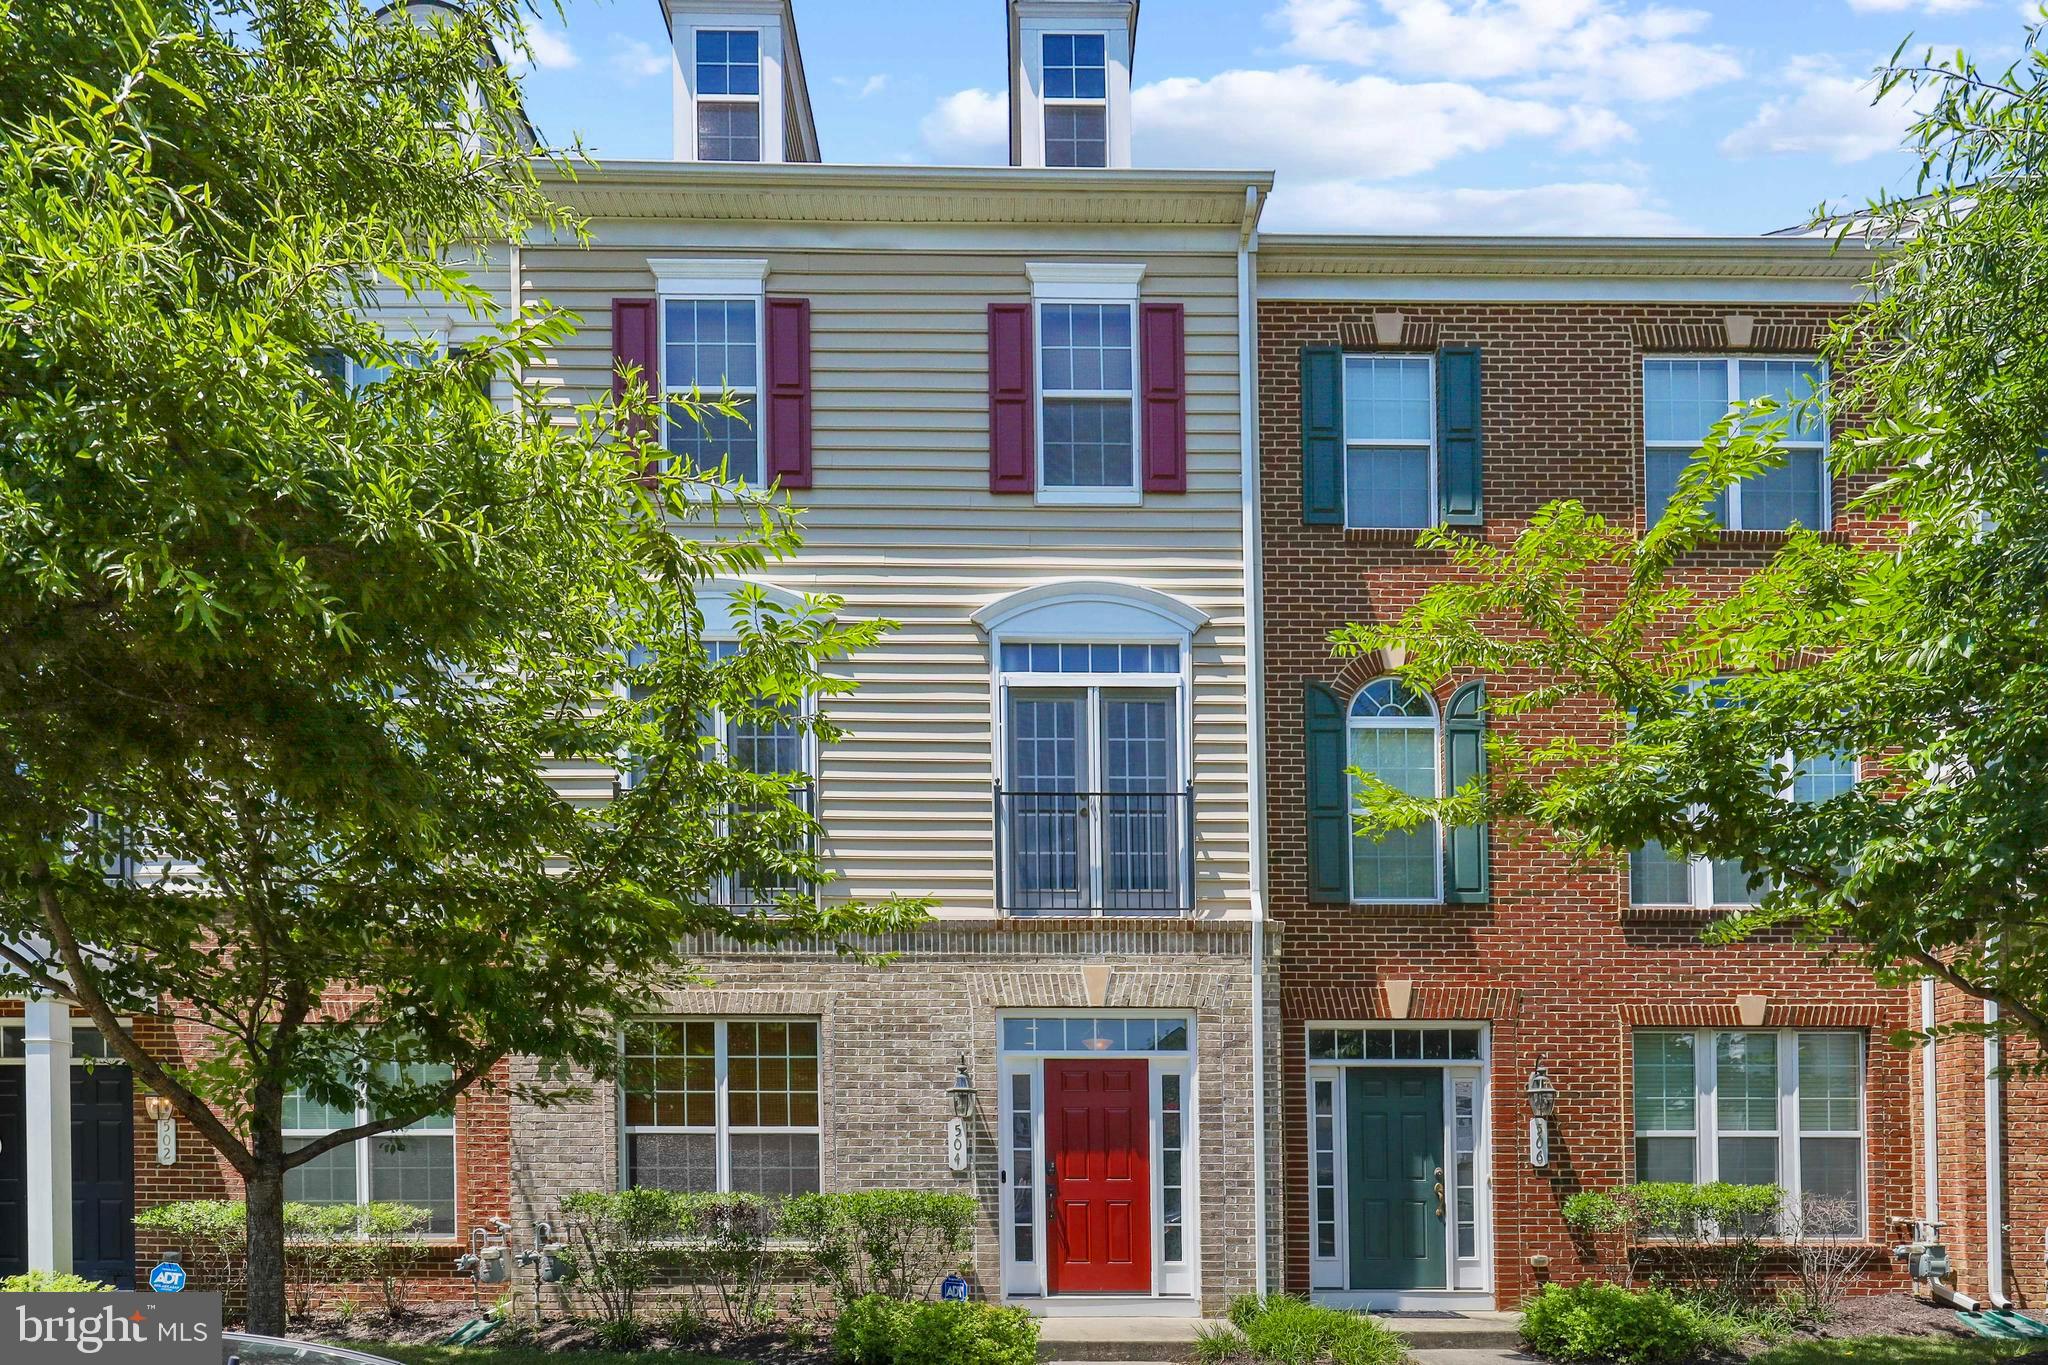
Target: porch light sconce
point(165, 1117)
point(1542, 1108)
point(961, 1092)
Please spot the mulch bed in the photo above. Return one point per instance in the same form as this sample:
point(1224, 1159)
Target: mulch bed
point(1893, 1315)
point(429, 1323)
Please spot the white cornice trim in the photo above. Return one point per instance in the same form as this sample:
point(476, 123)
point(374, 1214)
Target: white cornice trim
point(1113, 282)
point(708, 276)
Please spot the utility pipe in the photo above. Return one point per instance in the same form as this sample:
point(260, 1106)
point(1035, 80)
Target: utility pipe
point(1994, 1162)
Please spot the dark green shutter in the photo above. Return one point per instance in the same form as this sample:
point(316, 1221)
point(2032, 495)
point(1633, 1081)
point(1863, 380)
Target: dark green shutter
point(1329, 795)
point(1466, 877)
point(1458, 444)
point(1322, 436)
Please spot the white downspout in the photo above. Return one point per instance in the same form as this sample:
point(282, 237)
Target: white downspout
point(1255, 683)
point(1994, 1163)
point(1930, 1111)
point(46, 1144)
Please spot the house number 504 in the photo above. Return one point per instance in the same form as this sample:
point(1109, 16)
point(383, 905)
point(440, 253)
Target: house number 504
point(956, 1145)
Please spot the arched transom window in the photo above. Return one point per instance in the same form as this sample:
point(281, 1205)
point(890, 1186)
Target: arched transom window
point(1393, 733)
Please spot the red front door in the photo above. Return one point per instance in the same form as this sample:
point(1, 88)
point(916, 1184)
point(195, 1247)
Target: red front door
point(1101, 1193)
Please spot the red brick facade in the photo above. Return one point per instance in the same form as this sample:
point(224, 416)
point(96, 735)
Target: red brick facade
point(1556, 963)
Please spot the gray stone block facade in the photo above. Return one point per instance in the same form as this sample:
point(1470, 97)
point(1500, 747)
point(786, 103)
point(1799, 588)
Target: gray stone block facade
point(891, 1037)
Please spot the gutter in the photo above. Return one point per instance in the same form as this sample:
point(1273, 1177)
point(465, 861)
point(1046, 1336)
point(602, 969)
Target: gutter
point(1255, 685)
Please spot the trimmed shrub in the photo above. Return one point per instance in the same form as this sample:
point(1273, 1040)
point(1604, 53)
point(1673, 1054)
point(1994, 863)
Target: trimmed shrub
point(1706, 1241)
point(378, 1244)
point(894, 1242)
point(619, 1242)
point(877, 1329)
point(870, 1328)
point(50, 1282)
point(209, 1238)
point(727, 1238)
point(1598, 1321)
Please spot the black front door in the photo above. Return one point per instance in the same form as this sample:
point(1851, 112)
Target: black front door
point(13, 1171)
point(103, 1173)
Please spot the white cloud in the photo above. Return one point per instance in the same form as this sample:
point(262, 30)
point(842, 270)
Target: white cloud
point(1306, 124)
point(635, 61)
point(547, 49)
point(968, 123)
point(1927, 6)
point(1832, 116)
point(1597, 50)
point(862, 89)
point(1593, 129)
point(1564, 209)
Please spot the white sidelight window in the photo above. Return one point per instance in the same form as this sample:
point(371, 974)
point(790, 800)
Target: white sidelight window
point(721, 1105)
point(413, 1165)
point(1755, 1107)
point(1682, 400)
point(1390, 441)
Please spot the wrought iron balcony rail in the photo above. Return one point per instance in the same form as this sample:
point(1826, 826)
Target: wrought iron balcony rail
point(1095, 853)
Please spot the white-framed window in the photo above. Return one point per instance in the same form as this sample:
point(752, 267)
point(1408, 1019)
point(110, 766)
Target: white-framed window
point(1657, 877)
point(1684, 396)
point(728, 92)
point(711, 326)
point(413, 1165)
point(1390, 457)
point(1778, 1107)
point(1395, 736)
point(721, 1105)
point(1087, 378)
point(1075, 71)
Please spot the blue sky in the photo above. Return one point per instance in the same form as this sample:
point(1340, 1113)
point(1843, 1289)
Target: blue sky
point(1558, 116)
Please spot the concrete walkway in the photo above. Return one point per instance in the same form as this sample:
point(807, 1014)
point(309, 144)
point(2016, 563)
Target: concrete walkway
point(1433, 1338)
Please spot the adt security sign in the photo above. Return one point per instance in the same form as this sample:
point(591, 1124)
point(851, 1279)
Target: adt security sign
point(953, 1289)
point(167, 1278)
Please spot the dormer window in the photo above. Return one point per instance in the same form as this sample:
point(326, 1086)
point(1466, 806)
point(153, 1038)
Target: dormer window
point(1076, 99)
point(728, 95)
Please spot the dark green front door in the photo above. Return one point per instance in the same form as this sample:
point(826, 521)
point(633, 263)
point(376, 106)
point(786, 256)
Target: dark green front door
point(1394, 1136)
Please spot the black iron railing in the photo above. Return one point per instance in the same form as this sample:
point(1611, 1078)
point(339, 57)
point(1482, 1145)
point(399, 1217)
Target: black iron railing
point(758, 894)
point(1095, 853)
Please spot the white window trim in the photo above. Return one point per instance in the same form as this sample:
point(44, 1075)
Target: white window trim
point(1077, 282)
point(1821, 443)
point(1699, 870)
point(722, 1129)
point(1707, 1133)
point(691, 280)
point(1034, 20)
point(762, 17)
point(1170, 1280)
point(363, 1150)
point(1436, 727)
point(1431, 508)
point(1330, 1277)
point(758, 100)
point(1076, 102)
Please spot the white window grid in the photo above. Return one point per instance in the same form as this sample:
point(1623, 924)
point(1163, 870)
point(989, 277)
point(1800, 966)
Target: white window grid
point(1793, 441)
point(726, 100)
point(1352, 443)
point(1699, 871)
point(722, 1130)
point(1707, 1131)
point(364, 1150)
point(1125, 493)
point(746, 396)
point(1433, 723)
point(1078, 102)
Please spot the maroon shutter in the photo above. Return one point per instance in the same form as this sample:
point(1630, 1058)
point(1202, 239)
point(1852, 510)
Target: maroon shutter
point(636, 343)
point(1162, 327)
point(1012, 456)
point(788, 409)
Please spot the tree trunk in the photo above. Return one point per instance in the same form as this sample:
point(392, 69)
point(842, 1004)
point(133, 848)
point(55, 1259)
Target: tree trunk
point(265, 1194)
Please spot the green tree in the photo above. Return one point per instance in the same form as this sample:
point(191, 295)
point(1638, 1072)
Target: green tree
point(282, 658)
point(1920, 649)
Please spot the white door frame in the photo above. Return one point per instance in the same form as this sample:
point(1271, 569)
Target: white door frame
point(1176, 1287)
point(1468, 1280)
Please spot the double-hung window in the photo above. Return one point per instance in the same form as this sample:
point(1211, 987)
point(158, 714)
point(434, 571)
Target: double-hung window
point(728, 70)
point(1394, 737)
point(753, 744)
point(412, 1165)
point(1076, 76)
point(1087, 399)
point(1659, 877)
point(1682, 400)
point(721, 1105)
point(710, 346)
point(1390, 441)
point(1755, 1107)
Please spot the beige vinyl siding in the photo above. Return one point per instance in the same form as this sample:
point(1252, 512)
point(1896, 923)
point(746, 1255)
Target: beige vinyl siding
point(902, 525)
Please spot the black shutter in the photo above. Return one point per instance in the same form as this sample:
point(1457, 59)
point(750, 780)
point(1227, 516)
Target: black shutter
point(1467, 878)
point(1329, 795)
point(1322, 436)
point(1458, 444)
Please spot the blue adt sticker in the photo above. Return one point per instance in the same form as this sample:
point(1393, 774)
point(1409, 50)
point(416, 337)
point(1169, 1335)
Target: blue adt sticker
point(167, 1278)
point(953, 1289)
